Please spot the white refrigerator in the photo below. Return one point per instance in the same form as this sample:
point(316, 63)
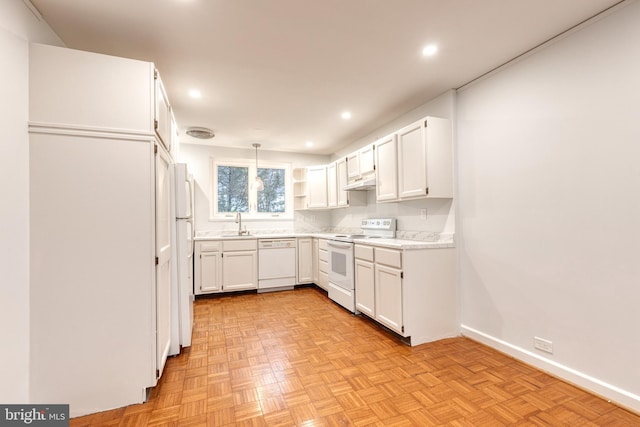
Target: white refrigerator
point(182, 306)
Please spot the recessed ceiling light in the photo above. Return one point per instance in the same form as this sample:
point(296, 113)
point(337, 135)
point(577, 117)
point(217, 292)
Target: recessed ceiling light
point(346, 115)
point(309, 143)
point(430, 50)
point(195, 93)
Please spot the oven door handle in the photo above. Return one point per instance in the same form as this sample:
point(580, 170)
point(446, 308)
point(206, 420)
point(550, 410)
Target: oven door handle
point(340, 245)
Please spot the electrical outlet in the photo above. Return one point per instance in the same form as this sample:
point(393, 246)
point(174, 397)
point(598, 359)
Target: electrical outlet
point(423, 214)
point(542, 344)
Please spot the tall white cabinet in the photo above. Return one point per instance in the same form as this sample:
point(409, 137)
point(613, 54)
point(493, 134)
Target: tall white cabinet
point(100, 229)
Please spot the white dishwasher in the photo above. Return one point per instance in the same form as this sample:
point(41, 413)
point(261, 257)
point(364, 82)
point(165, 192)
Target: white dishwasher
point(276, 264)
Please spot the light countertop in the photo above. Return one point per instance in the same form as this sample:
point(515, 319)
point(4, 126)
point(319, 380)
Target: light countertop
point(405, 244)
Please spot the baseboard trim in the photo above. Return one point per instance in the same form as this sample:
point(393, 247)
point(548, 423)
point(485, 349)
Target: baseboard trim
point(607, 391)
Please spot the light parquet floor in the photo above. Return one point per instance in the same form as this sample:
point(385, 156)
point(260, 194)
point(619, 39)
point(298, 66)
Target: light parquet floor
point(294, 358)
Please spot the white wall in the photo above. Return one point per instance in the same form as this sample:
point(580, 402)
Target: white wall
point(17, 26)
point(549, 207)
point(440, 212)
point(198, 159)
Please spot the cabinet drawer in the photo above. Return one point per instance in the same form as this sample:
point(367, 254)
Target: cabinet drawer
point(364, 252)
point(389, 257)
point(209, 246)
point(323, 267)
point(322, 244)
point(240, 245)
point(323, 256)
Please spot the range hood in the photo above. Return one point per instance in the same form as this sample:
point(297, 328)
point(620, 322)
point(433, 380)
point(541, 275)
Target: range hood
point(362, 185)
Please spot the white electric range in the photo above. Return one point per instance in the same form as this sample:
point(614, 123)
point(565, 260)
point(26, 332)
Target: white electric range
point(341, 265)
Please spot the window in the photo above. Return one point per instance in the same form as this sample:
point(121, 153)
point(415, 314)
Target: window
point(233, 190)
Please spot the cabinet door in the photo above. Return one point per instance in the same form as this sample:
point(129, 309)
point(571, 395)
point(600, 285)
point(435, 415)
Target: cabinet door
point(367, 160)
point(365, 288)
point(342, 178)
point(353, 166)
point(305, 263)
point(239, 270)
point(209, 273)
point(317, 185)
point(163, 257)
point(387, 169)
point(332, 186)
point(162, 116)
point(315, 261)
point(412, 161)
point(388, 285)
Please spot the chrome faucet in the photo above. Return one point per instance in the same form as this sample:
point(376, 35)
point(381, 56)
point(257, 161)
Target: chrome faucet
point(239, 222)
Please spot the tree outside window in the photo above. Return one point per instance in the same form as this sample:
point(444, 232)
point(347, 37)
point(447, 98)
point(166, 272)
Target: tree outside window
point(233, 190)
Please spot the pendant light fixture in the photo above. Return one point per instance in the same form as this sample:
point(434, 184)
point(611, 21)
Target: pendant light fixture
point(259, 185)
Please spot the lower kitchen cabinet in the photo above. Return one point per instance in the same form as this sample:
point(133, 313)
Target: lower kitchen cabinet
point(226, 266)
point(365, 280)
point(305, 260)
point(315, 261)
point(388, 290)
point(239, 271)
point(323, 265)
point(208, 273)
point(410, 291)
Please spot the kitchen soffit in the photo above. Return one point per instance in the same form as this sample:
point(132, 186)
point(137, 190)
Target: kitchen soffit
point(290, 67)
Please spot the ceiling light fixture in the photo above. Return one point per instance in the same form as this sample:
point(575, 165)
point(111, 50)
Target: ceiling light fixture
point(346, 115)
point(309, 143)
point(195, 93)
point(259, 185)
point(200, 133)
point(430, 50)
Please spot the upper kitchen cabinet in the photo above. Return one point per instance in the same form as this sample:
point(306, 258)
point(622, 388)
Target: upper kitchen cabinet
point(342, 180)
point(361, 164)
point(336, 181)
point(77, 90)
point(332, 185)
point(300, 188)
point(421, 155)
point(387, 173)
point(163, 115)
point(317, 187)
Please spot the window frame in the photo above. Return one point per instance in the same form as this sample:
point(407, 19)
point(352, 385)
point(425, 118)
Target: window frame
point(252, 214)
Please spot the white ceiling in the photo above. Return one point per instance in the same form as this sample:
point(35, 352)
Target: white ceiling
point(280, 72)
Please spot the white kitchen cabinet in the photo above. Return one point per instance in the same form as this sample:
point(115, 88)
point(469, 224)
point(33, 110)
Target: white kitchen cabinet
point(412, 161)
point(365, 280)
point(388, 291)
point(315, 260)
point(323, 265)
point(425, 167)
point(163, 115)
point(353, 166)
point(423, 162)
point(317, 187)
point(413, 291)
point(305, 260)
point(99, 226)
point(342, 179)
point(332, 186)
point(239, 270)
point(300, 188)
point(208, 269)
point(225, 266)
point(387, 171)
point(361, 163)
point(366, 157)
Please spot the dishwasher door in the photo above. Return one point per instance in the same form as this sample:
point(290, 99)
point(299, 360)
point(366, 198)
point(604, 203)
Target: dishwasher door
point(276, 267)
